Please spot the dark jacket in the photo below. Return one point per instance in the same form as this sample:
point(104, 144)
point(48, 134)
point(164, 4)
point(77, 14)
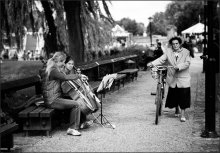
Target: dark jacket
point(189, 46)
point(158, 52)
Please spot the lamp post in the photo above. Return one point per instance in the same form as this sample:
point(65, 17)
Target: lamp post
point(204, 56)
point(150, 20)
point(210, 79)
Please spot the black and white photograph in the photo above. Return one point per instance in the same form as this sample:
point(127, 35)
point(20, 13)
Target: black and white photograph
point(110, 76)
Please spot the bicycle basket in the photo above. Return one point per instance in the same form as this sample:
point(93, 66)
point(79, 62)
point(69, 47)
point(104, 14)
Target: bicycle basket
point(154, 73)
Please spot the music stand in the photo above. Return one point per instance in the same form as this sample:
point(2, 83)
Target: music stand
point(102, 90)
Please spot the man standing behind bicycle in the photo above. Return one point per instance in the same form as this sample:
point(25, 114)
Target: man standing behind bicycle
point(178, 76)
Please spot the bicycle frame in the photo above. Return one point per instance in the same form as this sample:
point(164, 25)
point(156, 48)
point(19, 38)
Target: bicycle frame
point(160, 90)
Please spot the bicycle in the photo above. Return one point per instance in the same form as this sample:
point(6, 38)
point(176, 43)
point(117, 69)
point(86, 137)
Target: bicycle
point(159, 74)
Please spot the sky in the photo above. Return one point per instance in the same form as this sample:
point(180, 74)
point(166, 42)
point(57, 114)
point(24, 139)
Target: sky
point(136, 10)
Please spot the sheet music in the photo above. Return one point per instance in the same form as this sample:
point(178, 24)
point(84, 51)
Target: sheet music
point(107, 82)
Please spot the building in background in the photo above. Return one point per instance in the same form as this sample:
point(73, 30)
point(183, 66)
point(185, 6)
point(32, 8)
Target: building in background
point(121, 37)
point(31, 49)
point(33, 44)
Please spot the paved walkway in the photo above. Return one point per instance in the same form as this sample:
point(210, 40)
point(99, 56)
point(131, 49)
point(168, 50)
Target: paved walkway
point(132, 111)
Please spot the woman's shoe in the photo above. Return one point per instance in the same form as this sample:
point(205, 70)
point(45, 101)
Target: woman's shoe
point(73, 132)
point(86, 125)
point(183, 119)
point(177, 112)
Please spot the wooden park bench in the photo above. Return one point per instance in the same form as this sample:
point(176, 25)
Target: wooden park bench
point(131, 73)
point(6, 130)
point(35, 118)
point(120, 79)
point(29, 116)
point(6, 133)
point(43, 119)
point(16, 85)
point(115, 65)
point(96, 71)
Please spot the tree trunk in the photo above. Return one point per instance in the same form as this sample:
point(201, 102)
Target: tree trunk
point(76, 45)
point(50, 38)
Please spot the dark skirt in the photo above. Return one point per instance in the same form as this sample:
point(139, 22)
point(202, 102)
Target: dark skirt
point(178, 97)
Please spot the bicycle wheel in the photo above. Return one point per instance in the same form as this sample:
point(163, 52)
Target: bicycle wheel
point(158, 102)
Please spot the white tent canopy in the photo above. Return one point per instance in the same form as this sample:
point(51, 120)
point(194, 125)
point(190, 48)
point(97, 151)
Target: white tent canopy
point(197, 28)
point(118, 31)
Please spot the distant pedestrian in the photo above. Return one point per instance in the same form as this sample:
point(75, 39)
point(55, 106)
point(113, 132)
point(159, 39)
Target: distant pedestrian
point(158, 51)
point(188, 45)
point(147, 56)
point(178, 76)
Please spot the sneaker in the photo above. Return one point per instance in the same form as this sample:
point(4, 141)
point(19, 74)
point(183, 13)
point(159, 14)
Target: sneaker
point(183, 119)
point(90, 122)
point(73, 132)
point(84, 126)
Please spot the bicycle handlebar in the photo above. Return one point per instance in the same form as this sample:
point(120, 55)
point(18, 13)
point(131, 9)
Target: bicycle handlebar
point(162, 67)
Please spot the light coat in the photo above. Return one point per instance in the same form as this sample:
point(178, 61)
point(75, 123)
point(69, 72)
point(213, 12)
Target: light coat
point(180, 78)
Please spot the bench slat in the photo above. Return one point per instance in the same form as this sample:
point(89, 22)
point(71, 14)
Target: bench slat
point(47, 112)
point(88, 66)
point(36, 112)
point(128, 71)
point(119, 80)
point(25, 112)
point(8, 129)
point(131, 73)
point(20, 84)
point(120, 76)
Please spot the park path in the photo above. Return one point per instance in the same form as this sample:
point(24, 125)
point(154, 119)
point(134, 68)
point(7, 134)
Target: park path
point(132, 110)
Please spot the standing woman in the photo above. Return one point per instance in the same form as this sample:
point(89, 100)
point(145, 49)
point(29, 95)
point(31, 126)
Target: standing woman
point(52, 94)
point(178, 76)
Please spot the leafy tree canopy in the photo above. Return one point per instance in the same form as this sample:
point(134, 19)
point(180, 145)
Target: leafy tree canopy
point(86, 16)
point(181, 14)
point(131, 26)
point(184, 14)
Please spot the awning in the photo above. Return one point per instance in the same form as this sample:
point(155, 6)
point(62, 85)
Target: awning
point(197, 28)
point(118, 31)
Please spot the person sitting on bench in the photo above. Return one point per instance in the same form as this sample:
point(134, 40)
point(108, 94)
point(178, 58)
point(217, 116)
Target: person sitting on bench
point(52, 93)
point(68, 69)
